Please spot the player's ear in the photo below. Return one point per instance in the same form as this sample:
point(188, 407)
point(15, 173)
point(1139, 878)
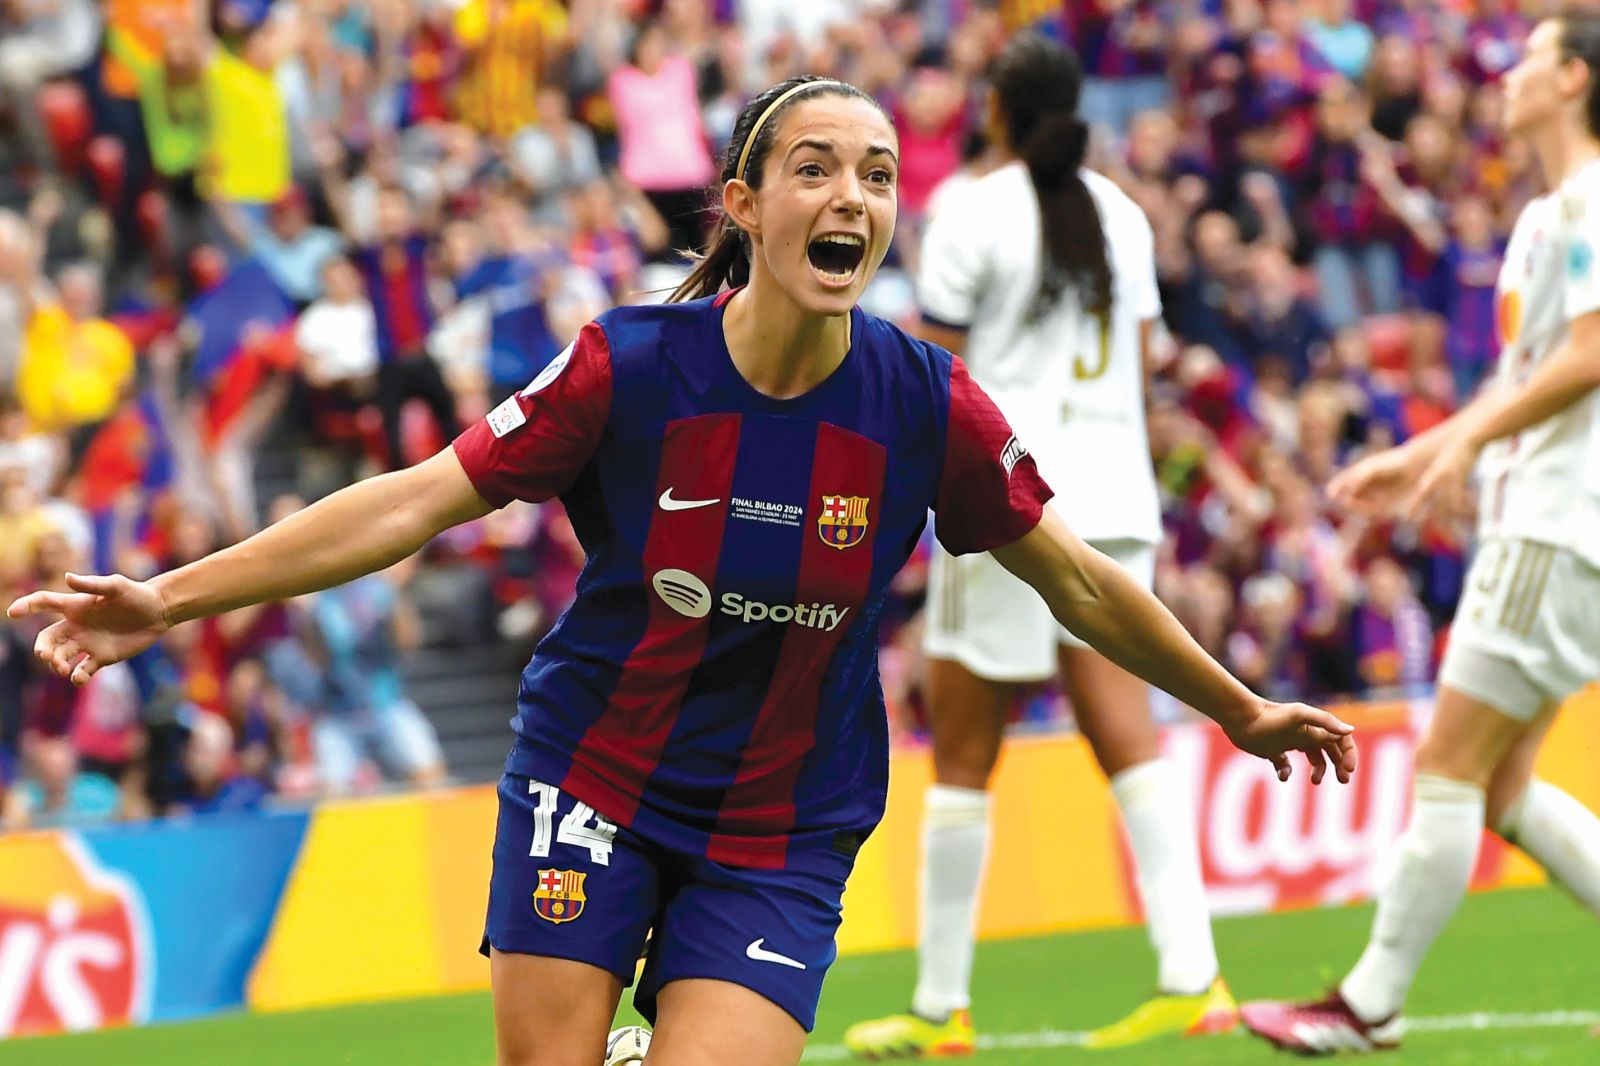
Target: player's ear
point(739, 204)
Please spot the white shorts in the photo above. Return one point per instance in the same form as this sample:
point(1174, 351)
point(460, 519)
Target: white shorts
point(988, 620)
point(1527, 630)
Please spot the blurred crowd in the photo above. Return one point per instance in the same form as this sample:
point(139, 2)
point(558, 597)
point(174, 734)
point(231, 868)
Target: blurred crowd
point(335, 231)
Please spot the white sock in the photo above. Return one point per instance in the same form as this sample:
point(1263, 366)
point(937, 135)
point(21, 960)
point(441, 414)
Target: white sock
point(955, 843)
point(1562, 835)
point(1168, 860)
point(1432, 865)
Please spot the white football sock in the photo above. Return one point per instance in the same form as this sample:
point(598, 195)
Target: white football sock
point(1168, 860)
point(1560, 834)
point(1433, 863)
point(955, 843)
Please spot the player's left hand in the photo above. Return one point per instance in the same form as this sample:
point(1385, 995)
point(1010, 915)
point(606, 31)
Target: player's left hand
point(1279, 728)
point(1443, 482)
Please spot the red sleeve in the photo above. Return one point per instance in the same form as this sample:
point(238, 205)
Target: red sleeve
point(990, 493)
point(533, 445)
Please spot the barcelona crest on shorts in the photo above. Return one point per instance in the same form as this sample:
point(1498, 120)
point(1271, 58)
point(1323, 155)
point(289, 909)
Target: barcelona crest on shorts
point(843, 521)
point(559, 897)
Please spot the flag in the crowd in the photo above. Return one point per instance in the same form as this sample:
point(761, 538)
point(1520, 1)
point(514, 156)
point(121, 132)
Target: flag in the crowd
point(245, 330)
point(246, 304)
point(129, 457)
point(520, 340)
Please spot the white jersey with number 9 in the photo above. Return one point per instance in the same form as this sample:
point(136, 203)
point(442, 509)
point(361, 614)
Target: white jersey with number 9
point(1071, 383)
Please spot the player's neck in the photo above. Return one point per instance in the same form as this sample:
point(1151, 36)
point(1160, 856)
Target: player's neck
point(781, 350)
point(1564, 148)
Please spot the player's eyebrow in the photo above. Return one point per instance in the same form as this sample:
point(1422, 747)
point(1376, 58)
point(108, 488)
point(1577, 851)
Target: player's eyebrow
point(827, 148)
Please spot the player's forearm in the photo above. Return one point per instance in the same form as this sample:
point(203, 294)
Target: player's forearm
point(1101, 603)
point(360, 529)
point(1128, 625)
point(1557, 384)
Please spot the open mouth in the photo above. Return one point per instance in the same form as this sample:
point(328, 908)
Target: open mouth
point(835, 257)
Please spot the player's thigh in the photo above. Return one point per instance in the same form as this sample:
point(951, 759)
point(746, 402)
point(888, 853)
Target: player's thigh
point(1467, 738)
point(1112, 706)
point(768, 932)
point(986, 633)
point(566, 886)
point(717, 1023)
point(967, 720)
point(549, 1011)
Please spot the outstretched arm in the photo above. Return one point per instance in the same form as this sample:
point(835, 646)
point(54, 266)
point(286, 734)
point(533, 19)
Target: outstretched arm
point(1409, 479)
point(1099, 602)
point(365, 527)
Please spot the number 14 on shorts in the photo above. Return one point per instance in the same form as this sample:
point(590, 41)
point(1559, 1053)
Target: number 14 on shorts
point(582, 826)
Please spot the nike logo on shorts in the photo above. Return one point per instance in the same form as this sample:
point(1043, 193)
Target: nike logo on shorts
point(760, 954)
point(669, 504)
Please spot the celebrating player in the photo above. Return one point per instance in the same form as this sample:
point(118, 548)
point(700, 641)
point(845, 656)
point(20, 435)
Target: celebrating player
point(1527, 631)
point(701, 744)
point(1041, 275)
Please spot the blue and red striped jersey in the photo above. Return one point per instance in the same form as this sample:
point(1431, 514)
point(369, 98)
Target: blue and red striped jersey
point(714, 684)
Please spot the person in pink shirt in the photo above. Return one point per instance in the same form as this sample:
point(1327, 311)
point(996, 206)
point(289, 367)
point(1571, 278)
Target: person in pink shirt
point(663, 139)
point(930, 120)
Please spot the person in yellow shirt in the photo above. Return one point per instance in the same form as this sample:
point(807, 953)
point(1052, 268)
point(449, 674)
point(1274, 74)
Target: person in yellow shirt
point(508, 44)
point(248, 160)
point(75, 365)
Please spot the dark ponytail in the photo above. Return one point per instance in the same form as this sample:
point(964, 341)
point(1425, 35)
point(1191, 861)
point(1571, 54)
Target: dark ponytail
point(1580, 39)
point(725, 261)
point(1037, 83)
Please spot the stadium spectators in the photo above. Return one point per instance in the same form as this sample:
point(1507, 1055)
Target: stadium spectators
point(352, 225)
point(53, 791)
point(358, 631)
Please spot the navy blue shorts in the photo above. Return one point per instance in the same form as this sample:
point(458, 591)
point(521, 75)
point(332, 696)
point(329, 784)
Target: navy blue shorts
point(570, 885)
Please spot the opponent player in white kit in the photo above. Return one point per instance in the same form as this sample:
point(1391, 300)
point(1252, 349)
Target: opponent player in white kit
point(1527, 630)
point(1041, 275)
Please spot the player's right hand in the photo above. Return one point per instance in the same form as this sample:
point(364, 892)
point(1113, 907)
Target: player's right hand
point(1378, 484)
point(104, 620)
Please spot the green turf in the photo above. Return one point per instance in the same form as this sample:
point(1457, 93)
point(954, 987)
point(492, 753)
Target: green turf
point(1514, 951)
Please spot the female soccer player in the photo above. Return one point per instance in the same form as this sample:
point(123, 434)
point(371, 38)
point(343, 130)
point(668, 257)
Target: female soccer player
point(701, 745)
point(1041, 275)
point(1527, 631)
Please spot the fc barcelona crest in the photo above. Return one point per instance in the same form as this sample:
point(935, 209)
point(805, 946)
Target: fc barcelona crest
point(559, 897)
point(843, 521)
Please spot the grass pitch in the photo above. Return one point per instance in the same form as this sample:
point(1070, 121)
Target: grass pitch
point(1515, 979)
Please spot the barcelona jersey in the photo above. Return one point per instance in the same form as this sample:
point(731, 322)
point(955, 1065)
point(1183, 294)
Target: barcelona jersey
point(714, 685)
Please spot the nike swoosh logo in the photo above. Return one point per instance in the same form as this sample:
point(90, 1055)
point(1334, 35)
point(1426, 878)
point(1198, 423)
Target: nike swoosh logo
point(760, 954)
point(669, 504)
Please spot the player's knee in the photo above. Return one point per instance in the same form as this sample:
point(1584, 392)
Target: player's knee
point(1438, 755)
point(1505, 795)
